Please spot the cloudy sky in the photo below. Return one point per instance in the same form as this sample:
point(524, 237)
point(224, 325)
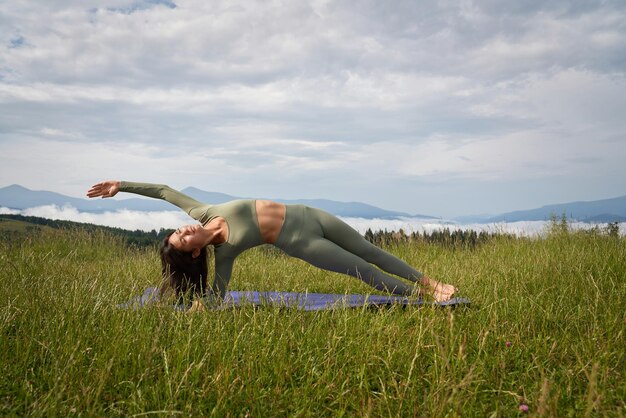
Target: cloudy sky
point(443, 108)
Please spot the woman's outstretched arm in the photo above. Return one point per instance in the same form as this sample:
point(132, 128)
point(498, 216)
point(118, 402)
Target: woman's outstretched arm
point(110, 188)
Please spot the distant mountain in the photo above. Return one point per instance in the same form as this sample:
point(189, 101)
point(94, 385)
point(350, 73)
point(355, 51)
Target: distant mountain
point(18, 197)
point(346, 209)
point(605, 218)
point(606, 210)
point(212, 198)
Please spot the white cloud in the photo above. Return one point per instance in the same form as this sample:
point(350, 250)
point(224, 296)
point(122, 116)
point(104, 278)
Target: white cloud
point(262, 97)
point(531, 154)
point(386, 91)
point(519, 229)
point(8, 211)
point(70, 167)
point(125, 219)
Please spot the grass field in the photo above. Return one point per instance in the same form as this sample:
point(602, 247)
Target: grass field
point(545, 329)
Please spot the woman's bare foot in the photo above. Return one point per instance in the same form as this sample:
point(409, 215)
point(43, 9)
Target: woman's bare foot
point(444, 292)
point(441, 292)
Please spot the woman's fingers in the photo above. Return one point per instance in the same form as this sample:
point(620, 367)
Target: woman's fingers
point(103, 189)
point(95, 191)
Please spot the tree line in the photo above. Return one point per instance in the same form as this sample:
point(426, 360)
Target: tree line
point(456, 238)
point(136, 238)
point(450, 238)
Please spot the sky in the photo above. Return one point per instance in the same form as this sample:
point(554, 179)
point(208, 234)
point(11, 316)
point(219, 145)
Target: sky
point(442, 108)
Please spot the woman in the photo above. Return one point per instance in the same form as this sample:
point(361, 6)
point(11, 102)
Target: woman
point(307, 233)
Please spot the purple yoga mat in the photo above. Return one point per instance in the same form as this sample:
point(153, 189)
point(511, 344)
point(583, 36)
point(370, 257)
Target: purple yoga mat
point(305, 301)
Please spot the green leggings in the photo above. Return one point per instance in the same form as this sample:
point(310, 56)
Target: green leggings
point(327, 242)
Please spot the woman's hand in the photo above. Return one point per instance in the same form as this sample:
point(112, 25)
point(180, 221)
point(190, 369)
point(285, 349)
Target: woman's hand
point(196, 306)
point(104, 189)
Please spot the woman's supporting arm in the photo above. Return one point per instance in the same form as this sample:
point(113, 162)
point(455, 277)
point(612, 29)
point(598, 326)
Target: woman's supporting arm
point(215, 296)
point(223, 271)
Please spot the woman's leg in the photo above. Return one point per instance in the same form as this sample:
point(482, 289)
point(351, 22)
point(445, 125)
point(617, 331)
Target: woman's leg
point(327, 255)
point(342, 234)
point(328, 243)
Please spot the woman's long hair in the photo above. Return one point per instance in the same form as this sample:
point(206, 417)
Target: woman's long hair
point(182, 273)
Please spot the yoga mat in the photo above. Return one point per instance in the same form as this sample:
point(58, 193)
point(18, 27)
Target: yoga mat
point(305, 301)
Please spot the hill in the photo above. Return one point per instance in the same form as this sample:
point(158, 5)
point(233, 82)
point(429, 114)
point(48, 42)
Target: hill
point(605, 210)
point(14, 225)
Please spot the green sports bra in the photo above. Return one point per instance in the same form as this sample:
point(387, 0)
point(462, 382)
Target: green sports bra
point(240, 215)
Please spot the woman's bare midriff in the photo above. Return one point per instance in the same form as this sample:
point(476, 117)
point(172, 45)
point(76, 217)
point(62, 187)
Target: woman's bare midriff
point(270, 216)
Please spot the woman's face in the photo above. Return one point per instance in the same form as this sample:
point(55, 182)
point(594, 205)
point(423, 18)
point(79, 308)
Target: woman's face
point(188, 238)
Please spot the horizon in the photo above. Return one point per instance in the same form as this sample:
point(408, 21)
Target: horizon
point(425, 108)
point(123, 196)
point(155, 220)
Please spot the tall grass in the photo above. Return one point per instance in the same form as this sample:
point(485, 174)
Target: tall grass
point(545, 329)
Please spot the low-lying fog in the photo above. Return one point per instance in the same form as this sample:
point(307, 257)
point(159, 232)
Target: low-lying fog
point(148, 221)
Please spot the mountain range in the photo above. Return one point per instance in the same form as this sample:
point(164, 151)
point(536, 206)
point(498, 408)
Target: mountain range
point(606, 210)
point(19, 197)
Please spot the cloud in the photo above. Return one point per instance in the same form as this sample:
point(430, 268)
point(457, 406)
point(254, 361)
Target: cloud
point(125, 219)
point(520, 228)
point(261, 97)
point(8, 211)
point(201, 43)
